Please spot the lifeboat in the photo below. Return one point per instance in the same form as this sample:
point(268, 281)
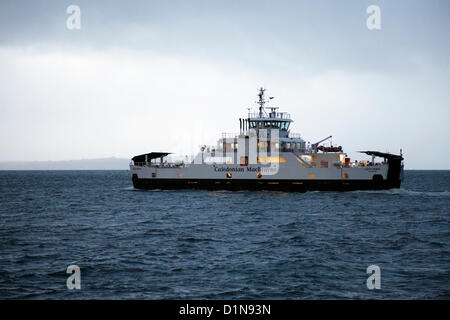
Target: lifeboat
point(329, 149)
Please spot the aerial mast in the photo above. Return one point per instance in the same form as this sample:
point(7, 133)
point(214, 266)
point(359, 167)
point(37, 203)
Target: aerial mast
point(261, 101)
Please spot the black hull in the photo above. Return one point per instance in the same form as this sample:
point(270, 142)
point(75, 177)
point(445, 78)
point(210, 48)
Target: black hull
point(275, 185)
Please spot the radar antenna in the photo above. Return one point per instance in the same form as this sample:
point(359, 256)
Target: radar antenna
point(261, 101)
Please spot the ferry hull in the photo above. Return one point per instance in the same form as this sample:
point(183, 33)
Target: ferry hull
point(275, 185)
point(291, 177)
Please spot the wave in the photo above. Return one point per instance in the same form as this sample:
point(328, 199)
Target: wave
point(401, 192)
point(131, 188)
point(406, 192)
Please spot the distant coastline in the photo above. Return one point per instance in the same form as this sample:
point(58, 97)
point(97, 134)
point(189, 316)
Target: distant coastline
point(82, 164)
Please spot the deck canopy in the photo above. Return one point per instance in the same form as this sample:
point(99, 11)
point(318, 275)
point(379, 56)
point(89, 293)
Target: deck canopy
point(147, 157)
point(382, 155)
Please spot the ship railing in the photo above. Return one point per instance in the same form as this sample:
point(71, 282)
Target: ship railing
point(276, 115)
point(161, 165)
point(229, 135)
point(363, 163)
point(294, 135)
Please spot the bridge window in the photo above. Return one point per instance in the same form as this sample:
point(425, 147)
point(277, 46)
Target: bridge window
point(284, 125)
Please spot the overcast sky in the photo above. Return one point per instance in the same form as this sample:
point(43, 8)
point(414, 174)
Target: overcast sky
point(143, 76)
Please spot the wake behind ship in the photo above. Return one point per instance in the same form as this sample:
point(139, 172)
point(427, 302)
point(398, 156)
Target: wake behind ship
point(265, 155)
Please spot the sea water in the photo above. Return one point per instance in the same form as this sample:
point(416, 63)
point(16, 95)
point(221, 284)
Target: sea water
point(191, 244)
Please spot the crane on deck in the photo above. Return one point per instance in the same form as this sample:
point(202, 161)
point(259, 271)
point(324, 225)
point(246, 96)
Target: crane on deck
point(315, 145)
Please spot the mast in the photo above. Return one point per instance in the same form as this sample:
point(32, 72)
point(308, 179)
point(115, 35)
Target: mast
point(261, 101)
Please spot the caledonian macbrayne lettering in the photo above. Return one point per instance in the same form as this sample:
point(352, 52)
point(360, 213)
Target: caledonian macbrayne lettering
point(231, 169)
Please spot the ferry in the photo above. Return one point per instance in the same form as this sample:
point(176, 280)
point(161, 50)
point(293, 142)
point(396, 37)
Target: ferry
point(266, 155)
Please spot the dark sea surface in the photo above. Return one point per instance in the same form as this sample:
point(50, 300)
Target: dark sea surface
point(134, 244)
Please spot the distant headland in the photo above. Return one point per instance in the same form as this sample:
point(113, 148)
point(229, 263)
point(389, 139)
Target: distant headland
point(111, 163)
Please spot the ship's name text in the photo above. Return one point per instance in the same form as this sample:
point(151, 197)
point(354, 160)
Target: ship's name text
point(234, 169)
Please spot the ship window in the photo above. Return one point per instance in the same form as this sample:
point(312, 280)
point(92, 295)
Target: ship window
point(270, 159)
point(285, 125)
point(324, 164)
point(252, 124)
point(260, 124)
point(229, 175)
